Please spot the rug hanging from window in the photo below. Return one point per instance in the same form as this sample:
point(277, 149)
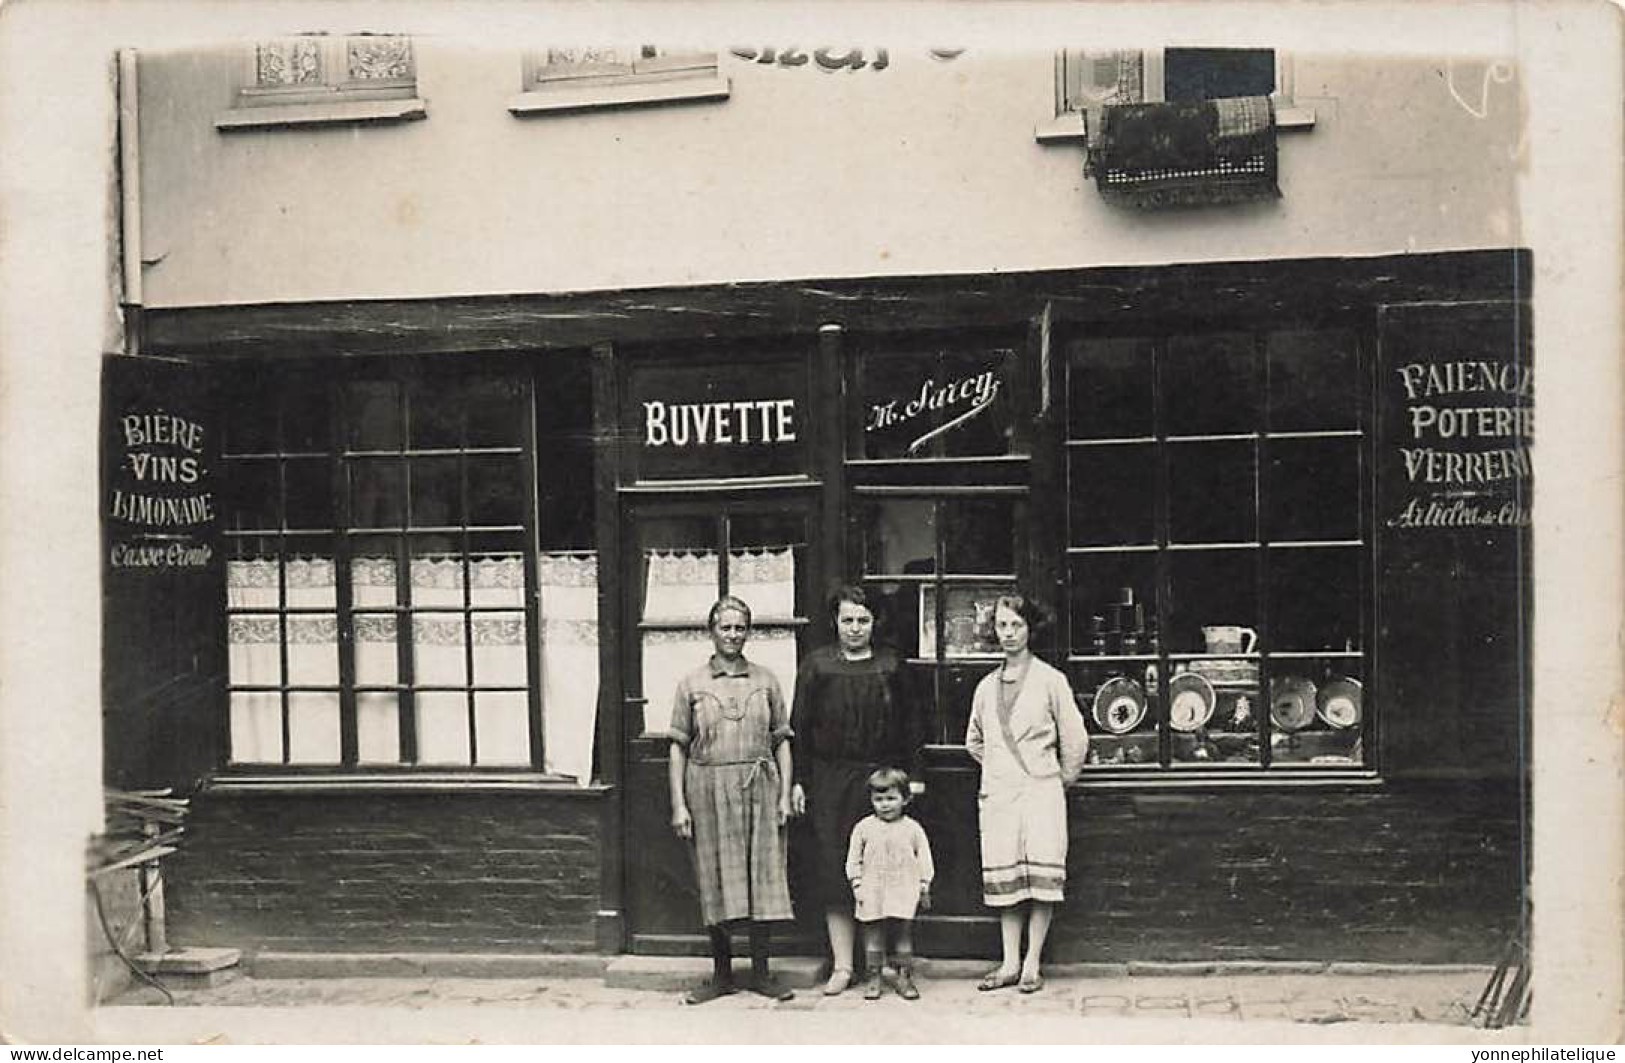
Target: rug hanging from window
point(1201, 153)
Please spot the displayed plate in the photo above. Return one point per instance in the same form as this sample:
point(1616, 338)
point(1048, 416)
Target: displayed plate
point(1339, 703)
point(1119, 705)
point(1292, 702)
point(1190, 701)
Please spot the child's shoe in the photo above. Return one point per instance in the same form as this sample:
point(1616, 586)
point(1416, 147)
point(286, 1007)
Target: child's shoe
point(905, 984)
point(871, 986)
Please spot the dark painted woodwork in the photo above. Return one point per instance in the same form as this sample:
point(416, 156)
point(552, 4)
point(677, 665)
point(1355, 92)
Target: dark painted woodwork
point(1454, 604)
point(1275, 290)
point(163, 628)
point(611, 725)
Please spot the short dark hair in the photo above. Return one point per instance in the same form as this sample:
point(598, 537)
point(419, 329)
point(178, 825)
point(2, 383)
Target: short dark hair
point(727, 603)
point(1025, 606)
point(889, 779)
point(853, 594)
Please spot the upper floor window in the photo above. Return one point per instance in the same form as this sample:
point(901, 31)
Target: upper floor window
point(1087, 81)
point(593, 76)
point(315, 78)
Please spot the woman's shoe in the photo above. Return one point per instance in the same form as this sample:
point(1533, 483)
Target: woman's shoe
point(998, 979)
point(709, 990)
point(839, 980)
point(1031, 983)
point(769, 986)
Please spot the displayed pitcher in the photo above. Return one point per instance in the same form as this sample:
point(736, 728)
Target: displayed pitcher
point(1230, 638)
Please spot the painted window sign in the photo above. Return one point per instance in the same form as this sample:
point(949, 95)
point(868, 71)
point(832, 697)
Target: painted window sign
point(829, 59)
point(1459, 419)
point(158, 454)
point(937, 404)
point(717, 421)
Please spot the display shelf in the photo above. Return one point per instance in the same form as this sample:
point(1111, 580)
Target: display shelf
point(1311, 654)
point(1109, 658)
point(1125, 548)
point(1113, 441)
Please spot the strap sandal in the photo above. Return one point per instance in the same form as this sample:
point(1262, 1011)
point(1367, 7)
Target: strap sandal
point(1031, 983)
point(998, 979)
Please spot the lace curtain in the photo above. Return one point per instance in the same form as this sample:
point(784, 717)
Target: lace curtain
point(444, 653)
point(681, 587)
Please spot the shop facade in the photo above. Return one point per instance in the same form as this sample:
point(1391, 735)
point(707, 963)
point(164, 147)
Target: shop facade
point(461, 546)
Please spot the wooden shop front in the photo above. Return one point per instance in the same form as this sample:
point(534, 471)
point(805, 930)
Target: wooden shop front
point(1278, 509)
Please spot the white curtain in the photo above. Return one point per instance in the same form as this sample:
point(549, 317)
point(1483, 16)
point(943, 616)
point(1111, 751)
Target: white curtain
point(254, 658)
point(569, 611)
point(682, 586)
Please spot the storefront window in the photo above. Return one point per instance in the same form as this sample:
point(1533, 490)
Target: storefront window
point(926, 402)
point(1217, 560)
point(382, 591)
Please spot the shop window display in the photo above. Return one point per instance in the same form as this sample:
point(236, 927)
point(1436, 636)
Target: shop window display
point(1217, 560)
point(387, 601)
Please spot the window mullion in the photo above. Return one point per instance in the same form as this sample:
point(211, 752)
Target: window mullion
point(533, 605)
point(344, 601)
point(1160, 518)
point(405, 628)
point(1261, 569)
point(466, 561)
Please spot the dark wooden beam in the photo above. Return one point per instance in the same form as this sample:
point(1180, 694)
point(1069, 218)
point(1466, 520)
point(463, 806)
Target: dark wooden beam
point(1286, 288)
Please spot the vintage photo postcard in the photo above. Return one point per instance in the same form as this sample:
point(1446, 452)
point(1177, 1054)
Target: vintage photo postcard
point(875, 524)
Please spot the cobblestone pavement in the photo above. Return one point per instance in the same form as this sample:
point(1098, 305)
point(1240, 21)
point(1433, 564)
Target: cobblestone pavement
point(1314, 999)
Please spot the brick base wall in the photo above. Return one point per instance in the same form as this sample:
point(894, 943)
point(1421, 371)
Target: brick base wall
point(398, 871)
point(1404, 873)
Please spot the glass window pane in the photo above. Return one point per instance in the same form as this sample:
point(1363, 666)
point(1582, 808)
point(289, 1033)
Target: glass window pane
point(374, 571)
point(1313, 489)
point(435, 414)
point(439, 649)
point(313, 651)
point(979, 535)
point(897, 615)
point(254, 650)
point(1314, 381)
point(1112, 495)
point(313, 728)
point(307, 416)
point(378, 727)
point(681, 575)
point(436, 492)
point(497, 411)
point(1216, 73)
point(1114, 598)
point(767, 556)
point(253, 574)
point(958, 684)
point(1213, 713)
point(249, 416)
point(1120, 704)
point(497, 578)
point(945, 403)
point(373, 410)
point(502, 727)
point(1315, 599)
point(499, 650)
point(252, 489)
point(1212, 493)
point(899, 536)
point(1109, 389)
point(496, 490)
point(668, 655)
point(967, 616)
point(377, 657)
point(442, 727)
point(1317, 710)
point(256, 727)
point(1208, 588)
point(309, 575)
point(1210, 384)
point(437, 572)
point(308, 492)
point(377, 493)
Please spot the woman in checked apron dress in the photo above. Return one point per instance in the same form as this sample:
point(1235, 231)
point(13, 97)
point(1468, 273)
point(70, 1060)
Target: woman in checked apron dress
point(1027, 734)
point(730, 794)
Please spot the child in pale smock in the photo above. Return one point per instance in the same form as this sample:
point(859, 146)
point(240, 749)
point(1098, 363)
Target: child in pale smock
point(888, 863)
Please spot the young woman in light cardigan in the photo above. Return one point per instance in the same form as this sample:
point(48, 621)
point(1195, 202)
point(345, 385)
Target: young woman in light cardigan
point(1027, 734)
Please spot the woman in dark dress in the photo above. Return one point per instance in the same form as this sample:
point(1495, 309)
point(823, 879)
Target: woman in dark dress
point(849, 718)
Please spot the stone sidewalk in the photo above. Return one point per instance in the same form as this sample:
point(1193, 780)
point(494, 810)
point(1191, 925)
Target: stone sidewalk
point(1323, 997)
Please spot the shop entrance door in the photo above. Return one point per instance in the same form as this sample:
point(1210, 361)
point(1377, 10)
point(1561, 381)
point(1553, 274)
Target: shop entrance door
point(756, 546)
